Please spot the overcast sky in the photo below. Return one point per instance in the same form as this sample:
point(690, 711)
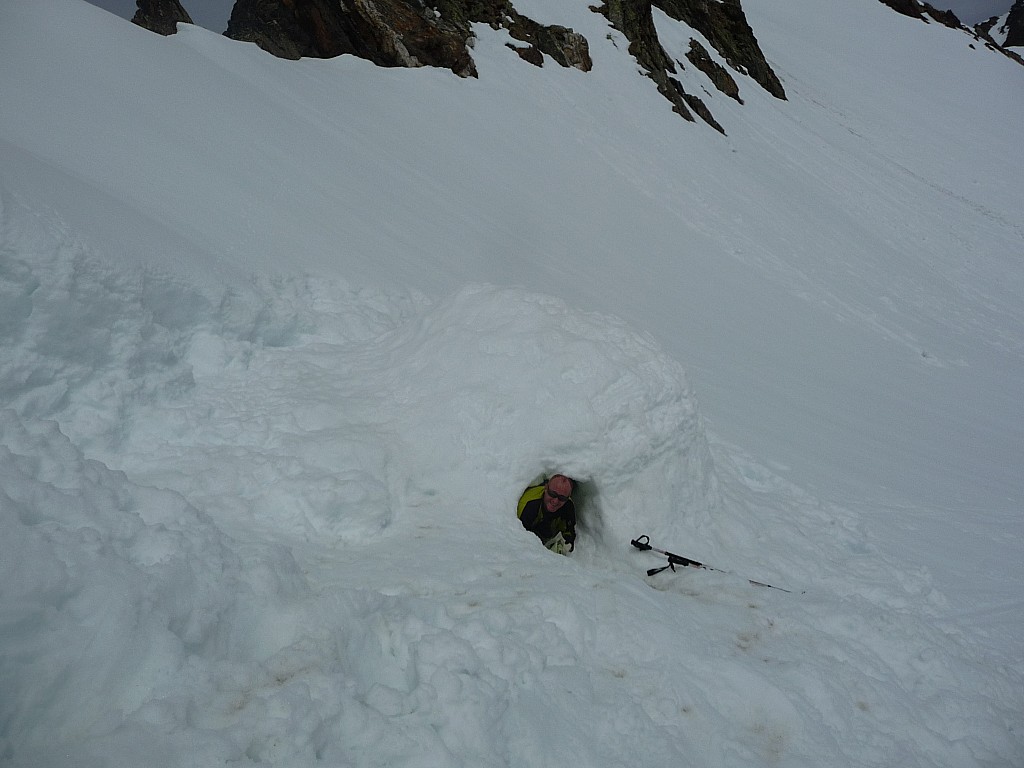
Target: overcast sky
point(213, 14)
point(973, 11)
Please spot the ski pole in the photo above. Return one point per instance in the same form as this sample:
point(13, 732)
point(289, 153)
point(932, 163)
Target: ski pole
point(643, 543)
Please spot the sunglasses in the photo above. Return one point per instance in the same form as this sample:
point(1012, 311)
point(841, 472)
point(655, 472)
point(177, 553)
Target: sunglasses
point(554, 495)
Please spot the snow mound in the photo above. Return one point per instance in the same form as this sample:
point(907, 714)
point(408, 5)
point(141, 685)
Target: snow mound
point(166, 451)
point(370, 402)
point(505, 385)
point(108, 588)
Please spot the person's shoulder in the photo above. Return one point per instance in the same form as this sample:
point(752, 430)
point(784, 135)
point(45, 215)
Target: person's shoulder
point(533, 492)
point(531, 496)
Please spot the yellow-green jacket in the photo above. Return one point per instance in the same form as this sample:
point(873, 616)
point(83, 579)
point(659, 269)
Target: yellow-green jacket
point(542, 523)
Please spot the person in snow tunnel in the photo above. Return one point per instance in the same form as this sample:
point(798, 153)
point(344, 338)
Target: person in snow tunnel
point(547, 511)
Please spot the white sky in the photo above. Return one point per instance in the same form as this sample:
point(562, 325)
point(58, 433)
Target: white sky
point(973, 11)
point(214, 14)
point(211, 14)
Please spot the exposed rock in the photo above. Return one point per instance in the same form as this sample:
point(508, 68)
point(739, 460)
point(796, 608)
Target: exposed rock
point(984, 29)
point(390, 33)
point(700, 58)
point(946, 18)
point(160, 16)
point(700, 108)
point(413, 33)
point(725, 26)
point(916, 9)
point(910, 8)
point(1015, 26)
point(397, 33)
point(529, 54)
point(634, 20)
point(566, 47)
point(1010, 32)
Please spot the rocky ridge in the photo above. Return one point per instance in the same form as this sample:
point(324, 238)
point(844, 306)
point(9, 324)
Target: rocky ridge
point(1014, 26)
point(160, 16)
point(721, 22)
point(923, 11)
point(1011, 31)
point(398, 33)
point(439, 33)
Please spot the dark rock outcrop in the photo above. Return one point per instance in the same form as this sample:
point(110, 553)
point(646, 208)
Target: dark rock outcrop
point(390, 33)
point(634, 20)
point(721, 22)
point(725, 26)
point(1011, 32)
point(160, 16)
point(397, 33)
point(563, 45)
point(1015, 26)
point(916, 9)
point(910, 8)
point(700, 58)
point(984, 29)
point(946, 18)
point(439, 33)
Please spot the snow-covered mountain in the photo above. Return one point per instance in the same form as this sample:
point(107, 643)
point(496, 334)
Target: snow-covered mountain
point(1006, 30)
point(282, 342)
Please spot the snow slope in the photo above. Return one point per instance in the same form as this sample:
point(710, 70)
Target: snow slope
point(283, 341)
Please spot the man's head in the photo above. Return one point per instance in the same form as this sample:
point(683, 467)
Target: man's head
point(557, 491)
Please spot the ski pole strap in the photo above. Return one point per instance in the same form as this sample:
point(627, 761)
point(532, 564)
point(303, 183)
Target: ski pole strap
point(643, 543)
point(653, 571)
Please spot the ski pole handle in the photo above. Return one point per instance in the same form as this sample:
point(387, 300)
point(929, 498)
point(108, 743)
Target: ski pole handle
point(643, 543)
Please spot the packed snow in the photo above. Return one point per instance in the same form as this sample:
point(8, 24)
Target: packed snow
point(1000, 31)
point(282, 342)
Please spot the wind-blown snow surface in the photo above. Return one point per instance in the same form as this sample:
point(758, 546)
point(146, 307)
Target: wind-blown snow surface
point(283, 341)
